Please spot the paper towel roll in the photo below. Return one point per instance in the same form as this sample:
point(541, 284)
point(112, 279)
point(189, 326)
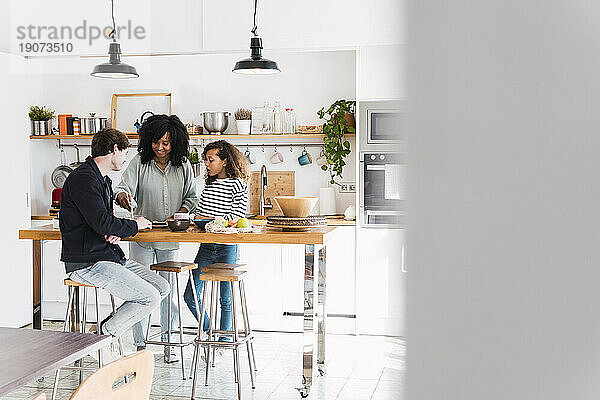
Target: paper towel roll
point(327, 201)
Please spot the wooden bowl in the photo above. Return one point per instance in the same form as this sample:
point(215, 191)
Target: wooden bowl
point(293, 206)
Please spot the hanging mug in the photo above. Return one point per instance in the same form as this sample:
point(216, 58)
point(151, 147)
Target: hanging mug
point(277, 157)
point(305, 158)
point(321, 160)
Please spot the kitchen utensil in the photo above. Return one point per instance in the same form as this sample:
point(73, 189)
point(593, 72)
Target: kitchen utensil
point(304, 158)
point(178, 224)
point(56, 193)
point(277, 157)
point(201, 222)
point(92, 124)
point(293, 206)
point(60, 173)
point(77, 163)
point(216, 122)
point(350, 213)
point(138, 123)
point(250, 157)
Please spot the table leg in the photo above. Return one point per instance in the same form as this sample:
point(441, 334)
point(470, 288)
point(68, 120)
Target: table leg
point(321, 310)
point(38, 260)
point(308, 359)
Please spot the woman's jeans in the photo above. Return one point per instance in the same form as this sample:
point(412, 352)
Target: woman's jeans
point(147, 257)
point(210, 253)
point(141, 289)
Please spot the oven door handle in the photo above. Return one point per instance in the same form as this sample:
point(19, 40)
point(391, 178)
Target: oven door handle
point(375, 167)
point(371, 212)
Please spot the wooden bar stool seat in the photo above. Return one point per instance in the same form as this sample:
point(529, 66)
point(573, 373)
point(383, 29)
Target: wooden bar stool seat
point(69, 282)
point(213, 275)
point(173, 267)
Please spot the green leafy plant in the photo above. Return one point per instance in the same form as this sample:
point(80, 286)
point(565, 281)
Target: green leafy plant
point(40, 113)
point(193, 157)
point(335, 127)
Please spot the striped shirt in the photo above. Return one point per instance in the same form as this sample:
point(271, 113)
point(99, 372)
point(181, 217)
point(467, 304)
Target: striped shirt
point(227, 198)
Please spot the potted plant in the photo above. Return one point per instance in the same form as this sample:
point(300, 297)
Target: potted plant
point(41, 120)
point(339, 120)
point(242, 120)
point(194, 159)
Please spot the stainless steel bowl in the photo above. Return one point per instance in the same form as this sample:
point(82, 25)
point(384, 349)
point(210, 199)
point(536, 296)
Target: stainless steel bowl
point(216, 121)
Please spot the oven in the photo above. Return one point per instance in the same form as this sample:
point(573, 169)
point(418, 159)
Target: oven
point(382, 200)
point(382, 123)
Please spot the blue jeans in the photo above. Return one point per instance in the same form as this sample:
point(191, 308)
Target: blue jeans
point(147, 257)
point(141, 289)
point(210, 253)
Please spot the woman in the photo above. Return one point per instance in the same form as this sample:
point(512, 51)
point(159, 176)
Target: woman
point(225, 195)
point(158, 183)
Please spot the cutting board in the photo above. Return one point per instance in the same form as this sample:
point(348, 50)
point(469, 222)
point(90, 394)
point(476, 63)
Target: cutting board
point(279, 183)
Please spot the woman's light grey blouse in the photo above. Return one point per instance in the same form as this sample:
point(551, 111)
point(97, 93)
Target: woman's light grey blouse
point(159, 194)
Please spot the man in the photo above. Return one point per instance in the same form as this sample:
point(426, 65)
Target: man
point(90, 233)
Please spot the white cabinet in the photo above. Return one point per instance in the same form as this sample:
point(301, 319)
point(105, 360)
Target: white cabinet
point(381, 72)
point(381, 282)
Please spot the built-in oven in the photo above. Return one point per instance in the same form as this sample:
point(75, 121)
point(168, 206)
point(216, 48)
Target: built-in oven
point(382, 124)
point(382, 200)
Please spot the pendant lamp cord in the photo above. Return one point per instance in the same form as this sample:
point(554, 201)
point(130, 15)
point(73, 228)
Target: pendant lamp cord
point(254, 28)
point(112, 13)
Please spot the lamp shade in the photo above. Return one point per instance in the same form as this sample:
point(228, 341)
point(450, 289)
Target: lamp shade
point(114, 68)
point(256, 64)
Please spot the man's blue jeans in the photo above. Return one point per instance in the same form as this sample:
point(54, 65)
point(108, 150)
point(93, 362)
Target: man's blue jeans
point(210, 253)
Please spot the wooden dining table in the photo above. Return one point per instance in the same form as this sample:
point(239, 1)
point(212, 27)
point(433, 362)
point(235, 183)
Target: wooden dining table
point(315, 277)
point(27, 354)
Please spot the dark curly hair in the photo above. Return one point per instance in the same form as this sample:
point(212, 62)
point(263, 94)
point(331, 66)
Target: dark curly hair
point(155, 128)
point(237, 164)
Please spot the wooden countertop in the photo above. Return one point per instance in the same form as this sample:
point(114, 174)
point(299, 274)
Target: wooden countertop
point(194, 235)
point(330, 221)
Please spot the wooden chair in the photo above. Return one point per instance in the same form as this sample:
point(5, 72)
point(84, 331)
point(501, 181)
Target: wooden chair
point(99, 386)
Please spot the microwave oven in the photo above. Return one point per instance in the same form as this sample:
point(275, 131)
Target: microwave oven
point(381, 124)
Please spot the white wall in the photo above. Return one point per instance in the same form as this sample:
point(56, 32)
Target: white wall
point(203, 83)
point(504, 288)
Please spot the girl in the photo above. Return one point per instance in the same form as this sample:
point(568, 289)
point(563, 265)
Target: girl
point(225, 195)
point(161, 181)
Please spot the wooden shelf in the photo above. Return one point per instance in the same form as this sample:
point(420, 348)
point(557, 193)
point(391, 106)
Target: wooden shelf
point(200, 137)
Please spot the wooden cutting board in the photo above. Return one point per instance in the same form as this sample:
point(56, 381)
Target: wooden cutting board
point(279, 183)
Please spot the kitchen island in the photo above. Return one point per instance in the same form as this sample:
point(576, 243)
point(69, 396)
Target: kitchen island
point(314, 242)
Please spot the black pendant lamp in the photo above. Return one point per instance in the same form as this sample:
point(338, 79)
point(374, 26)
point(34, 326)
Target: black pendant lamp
point(114, 68)
point(256, 64)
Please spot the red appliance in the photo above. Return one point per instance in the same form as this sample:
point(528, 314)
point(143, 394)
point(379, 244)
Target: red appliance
point(56, 198)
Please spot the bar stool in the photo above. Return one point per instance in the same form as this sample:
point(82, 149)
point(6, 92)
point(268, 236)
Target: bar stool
point(215, 274)
point(71, 310)
point(174, 267)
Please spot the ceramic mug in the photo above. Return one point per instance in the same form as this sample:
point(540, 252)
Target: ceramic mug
point(276, 158)
point(321, 160)
point(305, 158)
point(250, 157)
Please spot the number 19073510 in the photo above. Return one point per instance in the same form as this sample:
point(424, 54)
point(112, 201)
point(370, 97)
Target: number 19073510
point(46, 47)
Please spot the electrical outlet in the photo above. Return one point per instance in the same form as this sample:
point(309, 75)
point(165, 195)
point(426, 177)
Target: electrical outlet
point(347, 187)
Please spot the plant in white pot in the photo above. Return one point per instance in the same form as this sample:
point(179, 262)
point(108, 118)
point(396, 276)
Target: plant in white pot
point(41, 120)
point(243, 120)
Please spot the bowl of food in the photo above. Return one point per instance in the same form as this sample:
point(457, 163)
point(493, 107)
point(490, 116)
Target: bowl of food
point(178, 224)
point(294, 206)
point(201, 222)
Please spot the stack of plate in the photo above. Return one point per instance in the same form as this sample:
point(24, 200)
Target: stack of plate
point(296, 223)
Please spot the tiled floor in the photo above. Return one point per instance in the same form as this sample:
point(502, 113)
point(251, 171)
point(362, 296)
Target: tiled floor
point(358, 367)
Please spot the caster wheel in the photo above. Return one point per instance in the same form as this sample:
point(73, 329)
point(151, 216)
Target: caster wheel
point(322, 371)
point(40, 380)
point(304, 392)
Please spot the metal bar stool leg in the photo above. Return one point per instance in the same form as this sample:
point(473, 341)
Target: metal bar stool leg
point(98, 321)
point(82, 328)
point(169, 311)
point(121, 352)
point(216, 302)
point(245, 307)
point(246, 331)
point(211, 320)
point(236, 355)
point(180, 326)
point(200, 326)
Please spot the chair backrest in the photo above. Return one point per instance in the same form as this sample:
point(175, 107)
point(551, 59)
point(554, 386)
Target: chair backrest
point(100, 384)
